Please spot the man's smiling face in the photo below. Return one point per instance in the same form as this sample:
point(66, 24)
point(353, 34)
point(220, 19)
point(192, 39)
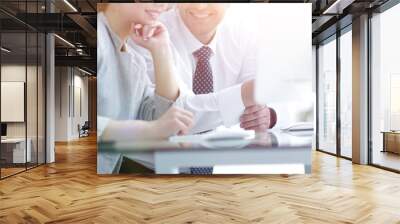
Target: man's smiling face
point(202, 18)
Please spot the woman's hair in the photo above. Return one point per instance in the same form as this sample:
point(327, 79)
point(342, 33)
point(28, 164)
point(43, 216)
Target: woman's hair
point(101, 7)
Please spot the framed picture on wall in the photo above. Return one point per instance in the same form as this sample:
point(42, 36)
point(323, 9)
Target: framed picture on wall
point(12, 101)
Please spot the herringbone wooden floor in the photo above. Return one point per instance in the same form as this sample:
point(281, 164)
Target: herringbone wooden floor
point(70, 191)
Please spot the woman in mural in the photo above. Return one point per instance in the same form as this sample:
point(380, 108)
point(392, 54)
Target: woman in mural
point(129, 106)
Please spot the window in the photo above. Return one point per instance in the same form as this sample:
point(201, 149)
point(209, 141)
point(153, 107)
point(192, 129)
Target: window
point(22, 78)
point(346, 93)
point(327, 96)
point(15, 149)
point(385, 89)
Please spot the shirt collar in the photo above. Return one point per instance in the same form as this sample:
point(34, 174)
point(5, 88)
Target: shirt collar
point(191, 42)
point(118, 43)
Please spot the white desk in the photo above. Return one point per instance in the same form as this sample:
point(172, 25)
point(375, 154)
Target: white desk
point(18, 148)
point(173, 162)
point(171, 158)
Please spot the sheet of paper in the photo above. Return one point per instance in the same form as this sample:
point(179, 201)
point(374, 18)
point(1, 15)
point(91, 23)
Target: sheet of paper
point(219, 134)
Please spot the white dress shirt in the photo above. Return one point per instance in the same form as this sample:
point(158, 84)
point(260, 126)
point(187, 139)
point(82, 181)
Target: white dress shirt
point(232, 63)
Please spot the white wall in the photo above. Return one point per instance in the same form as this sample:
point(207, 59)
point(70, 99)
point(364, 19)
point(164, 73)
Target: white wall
point(34, 126)
point(70, 83)
point(62, 81)
point(12, 73)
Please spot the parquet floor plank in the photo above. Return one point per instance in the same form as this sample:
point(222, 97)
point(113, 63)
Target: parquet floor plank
point(70, 191)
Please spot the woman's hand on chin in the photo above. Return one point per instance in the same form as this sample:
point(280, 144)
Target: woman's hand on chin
point(153, 36)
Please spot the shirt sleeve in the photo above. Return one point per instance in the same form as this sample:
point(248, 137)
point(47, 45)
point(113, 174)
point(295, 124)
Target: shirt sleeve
point(249, 64)
point(210, 110)
point(102, 120)
point(153, 106)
